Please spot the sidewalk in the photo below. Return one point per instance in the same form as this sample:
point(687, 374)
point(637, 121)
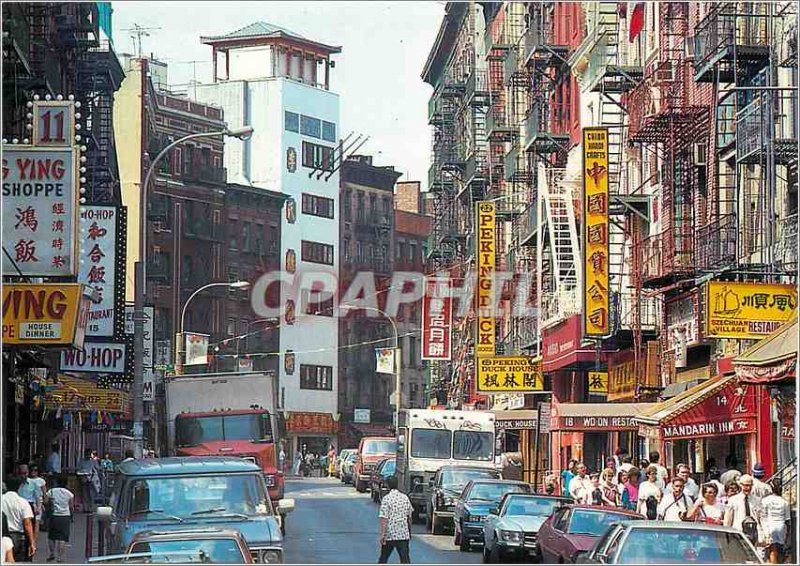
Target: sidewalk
point(76, 549)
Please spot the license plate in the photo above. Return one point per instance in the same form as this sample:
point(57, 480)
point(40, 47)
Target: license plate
point(270, 481)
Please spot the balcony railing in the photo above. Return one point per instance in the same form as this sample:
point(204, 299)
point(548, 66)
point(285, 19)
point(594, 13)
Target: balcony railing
point(787, 241)
point(770, 118)
point(205, 174)
point(716, 244)
point(511, 64)
point(540, 136)
point(560, 306)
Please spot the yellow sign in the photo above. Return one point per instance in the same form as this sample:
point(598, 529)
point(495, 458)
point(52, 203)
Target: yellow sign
point(510, 374)
point(598, 382)
point(595, 239)
point(82, 394)
point(747, 310)
point(622, 381)
point(53, 314)
point(486, 253)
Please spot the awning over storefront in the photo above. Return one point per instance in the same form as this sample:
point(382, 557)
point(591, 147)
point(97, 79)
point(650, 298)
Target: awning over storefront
point(772, 359)
point(372, 429)
point(597, 416)
point(563, 346)
point(718, 406)
point(516, 420)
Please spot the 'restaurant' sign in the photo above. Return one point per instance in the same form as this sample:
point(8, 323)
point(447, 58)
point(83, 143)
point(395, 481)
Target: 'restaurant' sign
point(747, 310)
point(509, 374)
point(596, 423)
point(97, 357)
point(596, 226)
point(40, 201)
point(53, 314)
point(437, 319)
point(689, 431)
point(486, 253)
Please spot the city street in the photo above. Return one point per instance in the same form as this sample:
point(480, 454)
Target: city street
point(334, 524)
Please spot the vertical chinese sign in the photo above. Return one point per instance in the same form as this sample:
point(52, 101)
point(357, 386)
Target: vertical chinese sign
point(97, 270)
point(437, 319)
point(40, 195)
point(486, 253)
point(596, 304)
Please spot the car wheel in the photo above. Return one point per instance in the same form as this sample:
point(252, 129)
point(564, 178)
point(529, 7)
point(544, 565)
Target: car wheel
point(494, 555)
point(463, 543)
point(283, 525)
point(486, 558)
point(428, 519)
point(456, 535)
point(360, 486)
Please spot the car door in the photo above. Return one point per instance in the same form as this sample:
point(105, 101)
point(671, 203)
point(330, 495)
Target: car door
point(601, 547)
point(490, 525)
point(555, 541)
point(434, 490)
point(460, 504)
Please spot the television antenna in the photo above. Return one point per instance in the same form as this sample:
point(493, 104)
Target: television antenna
point(137, 33)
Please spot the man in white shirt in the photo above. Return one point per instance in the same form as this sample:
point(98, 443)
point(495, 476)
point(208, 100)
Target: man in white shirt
point(760, 488)
point(691, 488)
point(19, 515)
point(662, 474)
point(776, 517)
point(743, 505)
point(395, 523)
point(580, 487)
point(675, 503)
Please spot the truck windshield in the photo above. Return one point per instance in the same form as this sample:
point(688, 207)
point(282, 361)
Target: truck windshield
point(471, 445)
point(430, 443)
point(198, 496)
point(191, 431)
point(380, 447)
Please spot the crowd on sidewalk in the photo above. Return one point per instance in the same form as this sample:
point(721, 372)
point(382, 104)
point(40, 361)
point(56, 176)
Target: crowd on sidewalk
point(742, 501)
point(34, 502)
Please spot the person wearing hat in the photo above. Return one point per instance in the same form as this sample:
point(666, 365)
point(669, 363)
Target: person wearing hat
point(760, 488)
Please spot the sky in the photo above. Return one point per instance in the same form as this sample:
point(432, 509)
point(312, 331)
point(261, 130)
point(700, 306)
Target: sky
point(377, 75)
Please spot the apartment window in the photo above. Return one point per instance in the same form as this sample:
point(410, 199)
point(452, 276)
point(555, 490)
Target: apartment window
point(328, 131)
point(317, 156)
point(231, 329)
point(233, 274)
point(345, 204)
point(186, 270)
point(233, 237)
point(317, 252)
point(359, 253)
point(401, 251)
point(373, 207)
point(346, 249)
point(360, 207)
point(412, 251)
point(291, 121)
point(314, 303)
point(316, 377)
point(246, 237)
point(310, 126)
point(412, 351)
point(317, 206)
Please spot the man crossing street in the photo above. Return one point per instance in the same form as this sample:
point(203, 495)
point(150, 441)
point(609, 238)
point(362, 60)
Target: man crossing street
point(395, 523)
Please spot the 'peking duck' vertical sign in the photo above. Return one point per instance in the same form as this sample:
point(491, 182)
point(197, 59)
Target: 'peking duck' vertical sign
point(596, 301)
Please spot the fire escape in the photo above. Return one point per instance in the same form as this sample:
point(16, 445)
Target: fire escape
point(738, 52)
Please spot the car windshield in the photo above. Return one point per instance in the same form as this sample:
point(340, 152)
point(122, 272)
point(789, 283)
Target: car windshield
point(214, 551)
point(531, 506)
point(457, 479)
point(594, 523)
point(388, 446)
point(388, 468)
point(495, 491)
point(471, 445)
point(191, 431)
point(682, 546)
point(430, 443)
point(195, 496)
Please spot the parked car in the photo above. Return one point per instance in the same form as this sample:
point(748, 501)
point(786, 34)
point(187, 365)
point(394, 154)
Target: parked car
point(169, 494)
point(340, 460)
point(189, 546)
point(572, 530)
point(371, 450)
point(657, 542)
point(446, 486)
point(378, 484)
point(511, 530)
point(473, 505)
point(347, 467)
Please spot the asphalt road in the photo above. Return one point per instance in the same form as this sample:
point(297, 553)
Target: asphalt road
point(334, 524)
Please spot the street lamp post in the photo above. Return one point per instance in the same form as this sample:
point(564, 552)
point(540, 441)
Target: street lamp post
point(397, 357)
point(140, 278)
point(179, 350)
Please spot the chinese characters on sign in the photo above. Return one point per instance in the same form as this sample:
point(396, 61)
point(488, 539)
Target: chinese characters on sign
point(509, 374)
point(747, 310)
point(486, 254)
point(149, 313)
point(598, 382)
point(40, 195)
point(320, 423)
point(97, 270)
point(596, 244)
point(622, 381)
point(437, 319)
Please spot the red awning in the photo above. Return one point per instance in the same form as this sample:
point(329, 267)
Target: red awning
point(772, 359)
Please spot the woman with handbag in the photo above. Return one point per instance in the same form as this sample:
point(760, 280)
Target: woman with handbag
point(707, 509)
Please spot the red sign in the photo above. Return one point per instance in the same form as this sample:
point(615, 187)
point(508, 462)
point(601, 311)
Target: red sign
point(314, 423)
point(562, 345)
point(731, 410)
point(437, 319)
point(594, 423)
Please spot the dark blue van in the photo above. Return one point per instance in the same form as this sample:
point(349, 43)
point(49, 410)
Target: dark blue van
point(176, 493)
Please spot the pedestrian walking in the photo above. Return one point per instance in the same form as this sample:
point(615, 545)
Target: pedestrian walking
point(691, 488)
point(54, 459)
point(776, 515)
point(713, 477)
point(282, 460)
point(20, 519)
point(610, 493)
point(580, 486)
point(8, 544)
point(331, 461)
point(649, 494)
point(662, 474)
point(731, 489)
point(760, 488)
point(676, 504)
point(31, 492)
point(567, 475)
point(89, 472)
point(395, 523)
point(630, 491)
point(731, 473)
point(62, 502)
point(744, 510)
point(707, 509)
point(40, 486)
